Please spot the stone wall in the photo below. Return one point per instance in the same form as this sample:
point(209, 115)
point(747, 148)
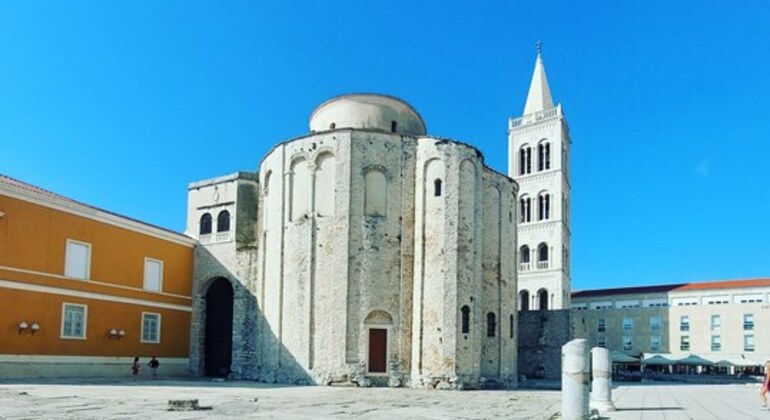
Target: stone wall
point(541, 335)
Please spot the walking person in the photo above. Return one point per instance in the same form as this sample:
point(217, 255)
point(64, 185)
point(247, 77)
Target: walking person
point(135, 367)
point(154, 363)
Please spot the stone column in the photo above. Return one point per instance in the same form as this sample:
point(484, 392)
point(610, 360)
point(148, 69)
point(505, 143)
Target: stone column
point(574, 380)
point(601, 386)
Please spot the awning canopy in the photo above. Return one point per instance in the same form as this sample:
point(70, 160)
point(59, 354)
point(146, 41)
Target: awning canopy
point(657, 360)
point(620, 357)
point(694, 360)
point(740, 361)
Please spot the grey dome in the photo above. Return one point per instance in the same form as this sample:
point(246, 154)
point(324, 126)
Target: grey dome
point(367, 111)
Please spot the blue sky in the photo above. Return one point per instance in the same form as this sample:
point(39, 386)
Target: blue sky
point(122, 104)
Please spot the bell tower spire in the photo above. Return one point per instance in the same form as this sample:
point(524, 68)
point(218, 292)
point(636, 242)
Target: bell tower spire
point(538, 159)
point(539, 97)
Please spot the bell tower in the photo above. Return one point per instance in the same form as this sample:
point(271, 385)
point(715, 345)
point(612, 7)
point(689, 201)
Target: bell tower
point(538, 159)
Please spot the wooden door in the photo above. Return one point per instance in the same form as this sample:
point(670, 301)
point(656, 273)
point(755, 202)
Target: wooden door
point(378, 350)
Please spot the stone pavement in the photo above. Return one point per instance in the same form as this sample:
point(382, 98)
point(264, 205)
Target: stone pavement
point(686, 401)
point(145, 399)
point(124, 399)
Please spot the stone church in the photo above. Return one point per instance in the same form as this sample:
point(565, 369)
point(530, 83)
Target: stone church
point(364, 252)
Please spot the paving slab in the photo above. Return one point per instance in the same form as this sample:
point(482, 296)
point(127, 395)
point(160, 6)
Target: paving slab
point(686, 401)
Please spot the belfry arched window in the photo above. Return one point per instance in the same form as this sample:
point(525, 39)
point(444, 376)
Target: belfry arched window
point(512, 326)
point(525, 209)
point(204, 227)
point(491, 324)
point(542, 255)
point(525, 160)
point(543, 156)
point(543, 206)
point(223, 221)
point(524, 258)
point(542, 299)
point(466, 319)
point(524, 300)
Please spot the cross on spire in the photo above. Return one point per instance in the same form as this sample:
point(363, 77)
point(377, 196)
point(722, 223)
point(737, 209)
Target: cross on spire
point(539, 46)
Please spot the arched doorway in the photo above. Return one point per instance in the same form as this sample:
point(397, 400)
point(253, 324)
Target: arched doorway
point(524, 300)
point(377, 324)
point(219, 328)
point(542, 298)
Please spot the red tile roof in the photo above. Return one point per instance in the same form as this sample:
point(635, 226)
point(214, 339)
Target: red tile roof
point(5, 179)
point(723, 284)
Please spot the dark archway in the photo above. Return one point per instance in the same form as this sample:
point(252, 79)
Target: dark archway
point(542, 298)
point(219, 328)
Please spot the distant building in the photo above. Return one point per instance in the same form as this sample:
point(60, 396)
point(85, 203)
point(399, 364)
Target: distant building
point(365, 251)
point(716, 320)
point(538, 159)
point(83, 290)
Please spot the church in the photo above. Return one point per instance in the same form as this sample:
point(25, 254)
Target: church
point(369, 252)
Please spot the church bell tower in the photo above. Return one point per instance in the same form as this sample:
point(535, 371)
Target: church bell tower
point(538, 159)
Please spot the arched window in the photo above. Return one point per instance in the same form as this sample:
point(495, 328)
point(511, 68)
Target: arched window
point(543, 156)
point(393, 126)
point(512, 326)
point(466, 319)
point(524, 258)
point(524, 300)
point(544, 206)
point(525, 204)
point(223, 221)
point(525, 160)
point(205, 224)
point(491, 324)
point(437, 188)
point(376, 194)
point(542, 252)
point(524, 254)
point(542, 255)
point(542, 299)
point(332, 126)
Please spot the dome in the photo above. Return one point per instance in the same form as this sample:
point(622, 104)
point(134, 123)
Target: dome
point(367, 111)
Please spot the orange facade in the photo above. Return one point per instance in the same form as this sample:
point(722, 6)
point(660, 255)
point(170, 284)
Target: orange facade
point(35, 227)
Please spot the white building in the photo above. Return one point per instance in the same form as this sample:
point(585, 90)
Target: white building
point(538, 159)
point(723, 320)
point(365, 251)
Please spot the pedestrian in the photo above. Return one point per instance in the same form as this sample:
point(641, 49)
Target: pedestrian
point(765, 385)
point(135, 367)
point(154, 363)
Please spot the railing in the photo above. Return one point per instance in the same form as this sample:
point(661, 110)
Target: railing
point(223, 236)
point(525, 266)
point(542, 265)
point(214, 238)
point(534, 117)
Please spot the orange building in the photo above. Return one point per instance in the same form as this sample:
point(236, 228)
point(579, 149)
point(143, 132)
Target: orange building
point(83, 290)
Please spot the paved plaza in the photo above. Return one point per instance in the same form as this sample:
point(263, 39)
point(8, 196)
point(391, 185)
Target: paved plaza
point(111, 399)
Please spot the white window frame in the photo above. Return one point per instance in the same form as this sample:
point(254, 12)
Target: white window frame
point(630, 340)
point(160, 278)
point(601, 325)
point(655, 343)
point(141, 329)
point(88, 258)
point(716, 322)
point(601, 341)
point(655, 326)
point(628, 322)
point(746, 344)
point(716, 343)
point(748, 322)
point(63, 319)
